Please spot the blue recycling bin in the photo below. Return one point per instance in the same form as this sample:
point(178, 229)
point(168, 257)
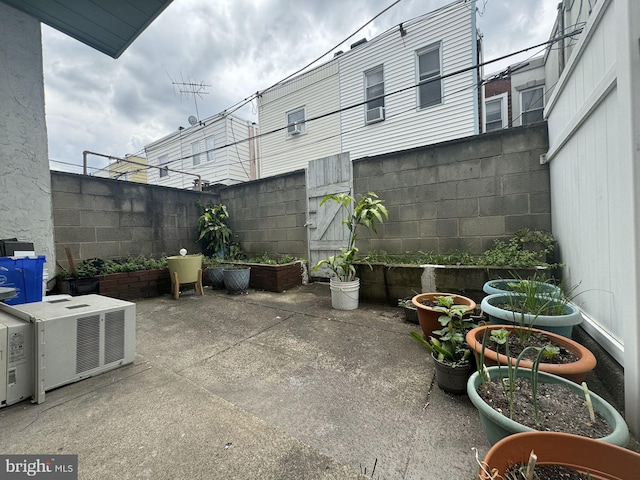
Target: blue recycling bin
point(25, 275)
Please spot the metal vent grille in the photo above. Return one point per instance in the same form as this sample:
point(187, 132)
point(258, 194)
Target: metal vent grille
point(87, 343)
point(114, 336)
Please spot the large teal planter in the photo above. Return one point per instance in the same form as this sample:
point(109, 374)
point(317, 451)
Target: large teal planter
point(502, 286)
point(558, 324)
point(497, 426)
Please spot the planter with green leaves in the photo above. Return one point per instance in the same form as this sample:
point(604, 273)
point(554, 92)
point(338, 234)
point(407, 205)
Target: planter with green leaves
point(498, 424)
point(428, 315)
point(452, 357)
point(215, 234)
point(361, 213)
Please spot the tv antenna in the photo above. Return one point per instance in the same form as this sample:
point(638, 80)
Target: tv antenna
point(196, 90)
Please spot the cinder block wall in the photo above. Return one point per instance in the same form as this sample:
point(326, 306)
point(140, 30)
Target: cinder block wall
point(269, 215)
point(103, 218)
point(453, 196)
point(459, 195)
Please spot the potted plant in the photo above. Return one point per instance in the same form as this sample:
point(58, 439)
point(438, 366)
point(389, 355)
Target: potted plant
point(236, 279)
point(410, 311)
point(509, 285)
point(449, 351)
point(522, 337)
point(540, 242)
point(185, 270)
point(215, 234)
point(531, 305)
point(428, 315)
point(512, 399)
point(600, 460)
point(361, 213)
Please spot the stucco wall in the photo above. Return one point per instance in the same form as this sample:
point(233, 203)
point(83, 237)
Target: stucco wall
point(25, 187)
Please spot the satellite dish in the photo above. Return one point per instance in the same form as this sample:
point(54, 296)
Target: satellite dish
point(192, 120)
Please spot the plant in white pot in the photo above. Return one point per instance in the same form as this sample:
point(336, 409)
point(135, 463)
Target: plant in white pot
point(361, 213)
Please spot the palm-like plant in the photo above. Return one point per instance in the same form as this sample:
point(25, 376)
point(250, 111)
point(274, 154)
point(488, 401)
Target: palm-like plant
point(363, 212)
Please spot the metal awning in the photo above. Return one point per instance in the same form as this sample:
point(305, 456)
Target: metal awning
point(109, 26)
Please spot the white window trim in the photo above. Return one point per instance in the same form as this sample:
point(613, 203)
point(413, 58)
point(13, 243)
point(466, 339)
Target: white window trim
point(522, 111)
point(302, 124)
point(429, 48)
point(210, 155)
point(161, 163)
point(379, 68)
point(196, 153)
point(504, 109)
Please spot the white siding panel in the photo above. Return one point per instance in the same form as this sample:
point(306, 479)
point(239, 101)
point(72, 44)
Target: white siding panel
point(405, 126)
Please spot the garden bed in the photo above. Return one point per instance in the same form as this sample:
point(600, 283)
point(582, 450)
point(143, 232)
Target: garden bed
point(274, 278)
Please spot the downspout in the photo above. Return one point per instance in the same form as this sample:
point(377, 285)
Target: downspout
point(474, 61)
point(561, 58)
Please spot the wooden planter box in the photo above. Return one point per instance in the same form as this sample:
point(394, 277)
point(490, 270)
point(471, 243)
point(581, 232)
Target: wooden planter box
point(133, 285)
point(274, 278)
point(387, 283)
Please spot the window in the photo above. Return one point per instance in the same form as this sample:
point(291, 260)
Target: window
point(163, 160)
point(209, 145)
point(295, 122)
point(430, 84)
point(495, 113)
point(374, 89)
point(532, 105)
point(195, 153)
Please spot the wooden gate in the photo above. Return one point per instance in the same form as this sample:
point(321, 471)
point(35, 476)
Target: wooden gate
point(325, 231)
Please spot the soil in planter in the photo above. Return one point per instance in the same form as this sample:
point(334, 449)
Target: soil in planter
point(545, 472)
point(561, 410)
point(516, 309)
point(517, 345)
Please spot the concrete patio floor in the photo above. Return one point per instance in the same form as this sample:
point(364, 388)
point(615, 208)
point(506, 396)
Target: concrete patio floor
point(258, 386)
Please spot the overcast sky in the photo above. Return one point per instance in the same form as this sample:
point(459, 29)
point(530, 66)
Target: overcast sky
point(238, 47)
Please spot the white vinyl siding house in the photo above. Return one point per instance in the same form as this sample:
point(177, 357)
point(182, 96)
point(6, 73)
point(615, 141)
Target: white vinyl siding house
point(436, 110)
point(316, 91)
point(368, 101)
point(217, 149)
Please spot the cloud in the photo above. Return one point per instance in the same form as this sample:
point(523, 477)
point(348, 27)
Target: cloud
point(238, 47)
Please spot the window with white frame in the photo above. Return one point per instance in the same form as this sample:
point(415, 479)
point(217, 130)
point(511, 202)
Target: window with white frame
point(163, 160)
point(195, 153)
point(374, 95)
point(209, 145)
point(296, 122)
point(429, 72)
point(495, 113)
point(532, 105)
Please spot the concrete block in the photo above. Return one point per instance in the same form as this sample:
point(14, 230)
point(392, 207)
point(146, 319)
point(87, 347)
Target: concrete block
point(103, 219)
point(66, 217)
point(65, 200)
point(466, 207)
point(459, 171)
point(521, 139)
point(504, 205)
point(403, 161)
point(403, 230)
point(541, 221)
point(99, 250)
point(526, 182)
point(482, 226)
point(540, 202)
point(107, 234)
point(407, 213)
point(65, 183)
point(472, 245)
point(368, 168)
point(110, 204)
point(447, 227)
point(296, 234)
point(478, 187)
point(66, 235)
point(284, 221)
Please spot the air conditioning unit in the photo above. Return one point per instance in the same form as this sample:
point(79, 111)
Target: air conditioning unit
point(295, 129)
point(375, 115)
point(76, 338)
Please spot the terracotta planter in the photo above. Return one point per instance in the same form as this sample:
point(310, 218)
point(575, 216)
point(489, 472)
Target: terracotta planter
point(603, 461)
point(497, 426)
point(576, 371)
point(428, 317)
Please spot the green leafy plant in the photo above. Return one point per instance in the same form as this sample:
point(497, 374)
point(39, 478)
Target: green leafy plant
point(361, 213)
point(449, 346)
point(270, 259)
point(97, 266)
point(542, 237)
point(215, 233)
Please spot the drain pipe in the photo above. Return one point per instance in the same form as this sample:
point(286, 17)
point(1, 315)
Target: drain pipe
point(110, 157)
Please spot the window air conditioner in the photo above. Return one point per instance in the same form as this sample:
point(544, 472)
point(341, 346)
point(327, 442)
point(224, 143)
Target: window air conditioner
point(375, 115)
point(74, 338)
point(295, 129)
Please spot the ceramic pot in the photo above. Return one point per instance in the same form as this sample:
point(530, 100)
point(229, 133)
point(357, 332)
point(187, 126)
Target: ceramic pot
point(185, 270)
point(576, 371)
point(236, 279)
point(217, 277)
point(559, 324)
point(497, 426)
point(502, 286)
point(602, 460)
point(428, 317)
